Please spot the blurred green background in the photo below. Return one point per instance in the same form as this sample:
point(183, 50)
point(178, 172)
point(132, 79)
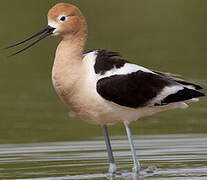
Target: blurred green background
point(163, 35)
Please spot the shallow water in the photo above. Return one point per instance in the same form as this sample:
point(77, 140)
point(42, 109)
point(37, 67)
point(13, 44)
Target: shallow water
point(40, 138)
point(161, 156)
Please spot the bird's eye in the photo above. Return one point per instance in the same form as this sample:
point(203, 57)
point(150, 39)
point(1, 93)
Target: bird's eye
point(62, 18)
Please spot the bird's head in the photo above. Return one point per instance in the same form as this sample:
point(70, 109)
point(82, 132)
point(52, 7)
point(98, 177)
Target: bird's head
point(64, 21)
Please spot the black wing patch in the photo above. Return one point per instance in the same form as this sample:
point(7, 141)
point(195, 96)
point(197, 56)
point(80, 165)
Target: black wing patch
point(131, 90)
point(182, 95)
point(107, 60)
point(139, 88)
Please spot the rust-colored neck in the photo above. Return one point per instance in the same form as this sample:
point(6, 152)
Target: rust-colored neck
point(72, 45)
point(67, 69)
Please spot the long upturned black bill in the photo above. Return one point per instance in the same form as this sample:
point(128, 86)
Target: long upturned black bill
point(46, 32)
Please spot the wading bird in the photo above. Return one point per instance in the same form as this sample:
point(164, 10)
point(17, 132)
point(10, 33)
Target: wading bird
point(100, 87)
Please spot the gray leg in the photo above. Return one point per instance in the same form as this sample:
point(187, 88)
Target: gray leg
point(112, 167)
point(136, 168)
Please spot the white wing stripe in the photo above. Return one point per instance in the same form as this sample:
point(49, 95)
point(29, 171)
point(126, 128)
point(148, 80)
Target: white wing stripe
point(126, 69)
point(166, 92)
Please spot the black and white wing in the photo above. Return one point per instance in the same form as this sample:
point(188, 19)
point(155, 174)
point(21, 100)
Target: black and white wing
point(134, 86)
point(179, 80)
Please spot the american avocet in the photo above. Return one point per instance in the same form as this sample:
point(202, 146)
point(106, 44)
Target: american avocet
point(100, 87)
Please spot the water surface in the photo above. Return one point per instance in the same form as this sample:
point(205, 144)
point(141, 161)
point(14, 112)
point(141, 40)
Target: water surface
point(162, 156)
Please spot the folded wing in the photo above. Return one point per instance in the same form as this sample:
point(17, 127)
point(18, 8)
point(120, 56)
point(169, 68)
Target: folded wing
point(134, 86)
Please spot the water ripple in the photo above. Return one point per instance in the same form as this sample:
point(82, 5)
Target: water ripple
point(171, 156)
